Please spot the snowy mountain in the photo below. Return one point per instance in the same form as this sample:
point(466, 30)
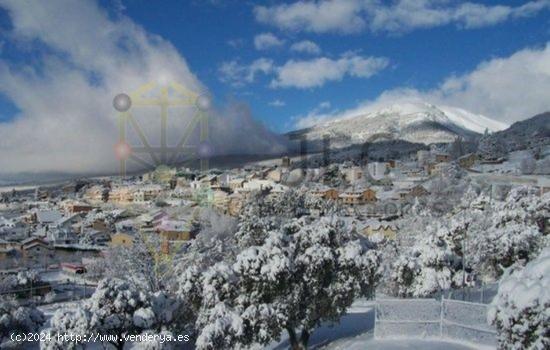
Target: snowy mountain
point(416, 122)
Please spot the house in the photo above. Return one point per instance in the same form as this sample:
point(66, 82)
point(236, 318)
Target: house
point(236, 183)
point(5, 244)
point(411, 192)
point(7, 249)
point(210, 181)
point(439, 168)
point(285, 162)
point(275, 175)
point(73, 221)
point(442, 157)
point(122, 239)
point(96, 194)
point(36, 249)
point(325, 193)
point(47, 217)
point(121, 194)
point(100, 225)
point(127, 226)
point(61, 236)
point(73, 268)
point(77, 207)
point(146, 193)
point(220, 200)
point(95, 237)
point(174, 230)
point(13, 229)
point(423, 156)
point(7, 253)
point(467, 161)
point(358, 197)
point(418, 191)
point(258, 185)
point(354, 174)
point(350, 198)
point(374, 228)
point(235, 204)
point(162, 174)
point(377, 170)
point(413, 172)
point(369, 195)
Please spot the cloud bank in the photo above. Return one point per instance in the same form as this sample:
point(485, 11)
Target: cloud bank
point(352, 16)
point(303, 74)
point(82, 57)
point(506, 89)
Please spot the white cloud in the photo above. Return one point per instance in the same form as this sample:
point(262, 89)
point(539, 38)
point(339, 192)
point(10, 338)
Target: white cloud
point(238, 74)
point(277, 103)
point(266, 41)
point(318, 71)
point(313, 16)
point(505, 89)
point(301, 74)
point(345, 16)
point(85, 57)
point(306, 46)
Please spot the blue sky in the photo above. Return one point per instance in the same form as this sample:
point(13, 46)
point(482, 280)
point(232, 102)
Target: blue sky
point(209, 33)
point(421, 58)
point(294, 63)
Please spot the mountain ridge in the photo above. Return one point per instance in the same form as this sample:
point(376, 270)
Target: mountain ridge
point(417, 122)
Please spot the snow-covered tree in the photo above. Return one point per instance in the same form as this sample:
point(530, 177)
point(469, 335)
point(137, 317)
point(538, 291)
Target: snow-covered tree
point(491, 146)
point(328, 270)
point(143, 264)
point(434, 263)
point(484, 234)
point(304, 273)
point(214, 225)
point(508, 232)
point(222, 329)
point(22, 284)
point(255, 220)
point(65, 321)
point(15, 318)
point(119, 308)
point(500, 247)
point(264, 212)
point(520, 309)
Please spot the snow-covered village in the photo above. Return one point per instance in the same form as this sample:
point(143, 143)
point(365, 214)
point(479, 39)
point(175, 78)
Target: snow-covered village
point(139, 210)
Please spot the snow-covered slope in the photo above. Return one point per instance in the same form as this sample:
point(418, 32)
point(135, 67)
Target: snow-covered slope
point(411, 121)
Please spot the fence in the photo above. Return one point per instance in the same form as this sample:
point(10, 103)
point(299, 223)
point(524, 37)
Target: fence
point(62, 291)
point(481, 294)
point(432, 318)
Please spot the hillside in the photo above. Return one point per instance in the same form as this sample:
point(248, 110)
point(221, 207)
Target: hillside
point(412, 122)
point(532, 134)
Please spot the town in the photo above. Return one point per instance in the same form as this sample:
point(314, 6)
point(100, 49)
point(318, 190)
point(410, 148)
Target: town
point(71, 224)
point(297, 174)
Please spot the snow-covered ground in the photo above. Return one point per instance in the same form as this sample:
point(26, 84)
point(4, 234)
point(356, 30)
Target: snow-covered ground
point(356, 332)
